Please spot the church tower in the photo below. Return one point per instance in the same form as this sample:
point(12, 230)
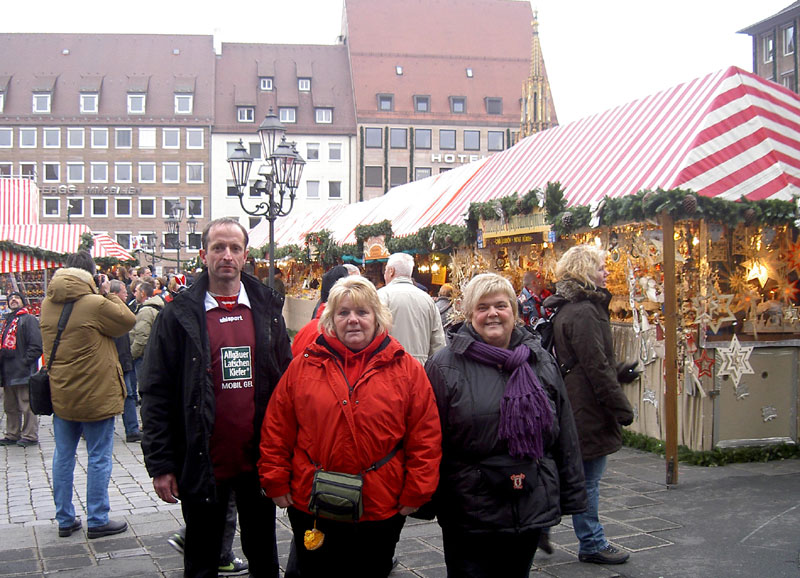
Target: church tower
point(538, 111)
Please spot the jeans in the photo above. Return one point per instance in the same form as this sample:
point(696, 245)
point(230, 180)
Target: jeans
point(99, 444)
point(129, 418)
point(587, 526)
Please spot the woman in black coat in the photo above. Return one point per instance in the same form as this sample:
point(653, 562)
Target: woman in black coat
point(510, 459)
point(585, 352)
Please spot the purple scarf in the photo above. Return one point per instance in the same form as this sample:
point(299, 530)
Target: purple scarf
point(525, 412)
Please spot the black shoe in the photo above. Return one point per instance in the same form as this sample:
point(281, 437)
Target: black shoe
point(26, 443)
point(235, 567)
point(8, 442)
point(608, 555)
point(395, 562)
point(544, 543)
point(68, 530)
point(133, 437)
point(176, 541)
point(108, 529)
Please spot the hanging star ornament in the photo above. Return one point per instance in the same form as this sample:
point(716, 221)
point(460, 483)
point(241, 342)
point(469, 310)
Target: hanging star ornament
point(735, 361)
point(787, 290)
point(720, 304)
point(793, 256)
point(704, 364)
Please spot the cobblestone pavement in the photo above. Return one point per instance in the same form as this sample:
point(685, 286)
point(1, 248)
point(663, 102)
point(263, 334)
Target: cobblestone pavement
point(738, 520)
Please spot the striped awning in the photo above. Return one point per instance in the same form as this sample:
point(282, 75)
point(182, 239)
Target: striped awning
point(19, 201)
point(105, 246)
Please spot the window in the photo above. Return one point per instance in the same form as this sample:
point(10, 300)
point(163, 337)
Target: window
point(495, 140)
point(41, 102)
point(194, 173)
point(422, 173)
point(27, 170)
point(123, 138)
point(136, 103)
point(2, 101)
point(52, 206)
point(385, 102)
point(27, 138)
point(232, 190)
point(123, 206)
point(447, 139)
point(769, 49)
point(373, 138)
point(246, 114)
point(458, 104)
point(472, 140)
point(75, 206)
point(398, 70)
point(98, 172)
point(170, 173)
point(398, 176)
point(147, 172)
point(147, 208)
point(312, 189)
point(195, 241)
point(312, 152)
point(75, 138)
point(194, 138)
point(52, 172)
point(266, 83)
point(288, 114)
point(99, 138)
point(6, 138)
point(334, 190)
point(147, 138)
point(788, 81)
point(171, 138)
point(124, 240)
point(89, 102)
point(373, 176)
point(334, 152)
point(470, 74)
point(168, 205)
point(194, 208)
point(303, 84)
point(494, 106)
point(422, 138)
point(5, 169)
point(422, 103)
point(324, 115)
point(99, 206)
point(398, 138)
point(254, 222)
point(74, 172)
point(788, 40)
point(184, 103)
point(51, 138)
point(122, 172)
point(255, 150)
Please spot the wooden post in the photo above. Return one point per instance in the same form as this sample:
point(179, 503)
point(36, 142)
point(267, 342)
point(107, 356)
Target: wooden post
point(670, 350)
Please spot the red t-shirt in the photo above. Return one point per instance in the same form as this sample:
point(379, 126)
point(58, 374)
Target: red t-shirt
point(233, 341)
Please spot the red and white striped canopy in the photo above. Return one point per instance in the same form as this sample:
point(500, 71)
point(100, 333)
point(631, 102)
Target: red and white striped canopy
point(105, 246)
point(19, 201)
point(729, 134)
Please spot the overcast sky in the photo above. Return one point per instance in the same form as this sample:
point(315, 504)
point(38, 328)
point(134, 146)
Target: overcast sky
point(598, 54)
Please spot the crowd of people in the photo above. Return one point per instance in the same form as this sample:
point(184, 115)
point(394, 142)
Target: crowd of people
point(387, 404)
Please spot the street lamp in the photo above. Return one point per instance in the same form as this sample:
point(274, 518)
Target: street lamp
point(173, 224)
point(280, 175)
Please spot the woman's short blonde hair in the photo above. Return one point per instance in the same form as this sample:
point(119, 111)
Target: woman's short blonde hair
point(483, 285)
point(363, 293)
point(580, 263)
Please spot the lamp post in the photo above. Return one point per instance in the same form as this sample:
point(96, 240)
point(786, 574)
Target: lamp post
point(280, 175)
point(173, 224)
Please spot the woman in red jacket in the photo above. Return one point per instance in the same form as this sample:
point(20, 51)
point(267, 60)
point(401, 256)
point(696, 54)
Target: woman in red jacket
point(356, 403)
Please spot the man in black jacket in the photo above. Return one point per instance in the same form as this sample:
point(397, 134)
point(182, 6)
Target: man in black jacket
point(20, 349)
point(123, 343)
point(214, 356)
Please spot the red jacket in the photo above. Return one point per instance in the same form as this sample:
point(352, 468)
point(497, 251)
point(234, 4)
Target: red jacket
point(307, 333)
point(312, 413)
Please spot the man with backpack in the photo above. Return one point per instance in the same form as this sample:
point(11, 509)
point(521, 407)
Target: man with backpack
point(150, 306)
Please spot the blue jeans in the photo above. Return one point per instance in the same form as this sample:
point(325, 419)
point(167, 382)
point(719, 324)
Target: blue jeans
point(99, 444)
point(129, 419)
point(587, 526)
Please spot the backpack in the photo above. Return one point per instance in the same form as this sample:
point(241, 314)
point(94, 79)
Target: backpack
point(545, 330)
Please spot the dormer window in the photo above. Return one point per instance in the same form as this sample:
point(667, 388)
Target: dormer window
point(136, 103)
point(469, 73)
point(41, 102)
point(398, 70)
point(266, 83)
point(304, 84)
point(386, 102)
point(494, 106)
point(184, 103)
point(246, 114)
point(89, 102)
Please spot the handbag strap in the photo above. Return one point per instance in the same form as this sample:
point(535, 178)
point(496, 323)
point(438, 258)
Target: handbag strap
point(62, 323)
point(373, 467)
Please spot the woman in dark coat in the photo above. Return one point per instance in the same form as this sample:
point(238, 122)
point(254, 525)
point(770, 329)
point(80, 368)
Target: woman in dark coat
point(585, 351)
point(510, 459)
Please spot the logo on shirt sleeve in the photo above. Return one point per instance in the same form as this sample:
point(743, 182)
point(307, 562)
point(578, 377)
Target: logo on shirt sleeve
point(236, 364)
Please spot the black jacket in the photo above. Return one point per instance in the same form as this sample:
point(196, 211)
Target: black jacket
point(178, 404)
point(474, 493)
point(583, 342)
point(123, 344)
point(17, 365)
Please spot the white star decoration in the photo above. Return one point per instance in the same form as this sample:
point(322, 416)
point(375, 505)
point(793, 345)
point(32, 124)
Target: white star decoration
point(735, 361)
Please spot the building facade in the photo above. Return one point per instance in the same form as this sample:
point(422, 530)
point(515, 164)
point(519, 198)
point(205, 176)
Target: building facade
point(436, 84)
point(113, 138)
point(775, 46)
point(308, 87)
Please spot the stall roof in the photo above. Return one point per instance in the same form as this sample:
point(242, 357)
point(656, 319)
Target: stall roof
point(730, 134)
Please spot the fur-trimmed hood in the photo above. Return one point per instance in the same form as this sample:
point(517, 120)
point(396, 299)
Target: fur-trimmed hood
point(571, 291)
point(69, 284)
